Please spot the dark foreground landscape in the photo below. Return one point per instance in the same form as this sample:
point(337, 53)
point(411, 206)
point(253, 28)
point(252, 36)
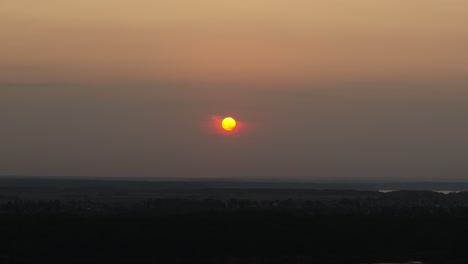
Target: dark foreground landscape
point(91, 221)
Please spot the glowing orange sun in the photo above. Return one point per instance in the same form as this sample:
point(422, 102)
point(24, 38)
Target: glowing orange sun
point(228, 123)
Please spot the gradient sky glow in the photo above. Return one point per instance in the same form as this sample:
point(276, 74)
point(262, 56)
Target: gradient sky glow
point(321, 89)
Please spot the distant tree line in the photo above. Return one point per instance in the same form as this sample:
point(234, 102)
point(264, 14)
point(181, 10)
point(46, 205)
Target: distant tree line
point(400, 202)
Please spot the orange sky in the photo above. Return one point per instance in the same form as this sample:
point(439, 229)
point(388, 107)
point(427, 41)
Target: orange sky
point(231, 41)
point(368, 88)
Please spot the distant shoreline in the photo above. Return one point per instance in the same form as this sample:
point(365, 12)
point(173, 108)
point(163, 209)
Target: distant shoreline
point(377, 186)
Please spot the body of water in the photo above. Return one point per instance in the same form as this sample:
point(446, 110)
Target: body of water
point(438, 191)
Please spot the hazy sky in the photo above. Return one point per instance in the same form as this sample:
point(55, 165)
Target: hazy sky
point(321, 89)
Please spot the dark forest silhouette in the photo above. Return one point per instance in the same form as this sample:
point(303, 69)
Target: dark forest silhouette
point(327, 226)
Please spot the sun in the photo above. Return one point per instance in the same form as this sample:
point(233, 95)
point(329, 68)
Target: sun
point(228, 123)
